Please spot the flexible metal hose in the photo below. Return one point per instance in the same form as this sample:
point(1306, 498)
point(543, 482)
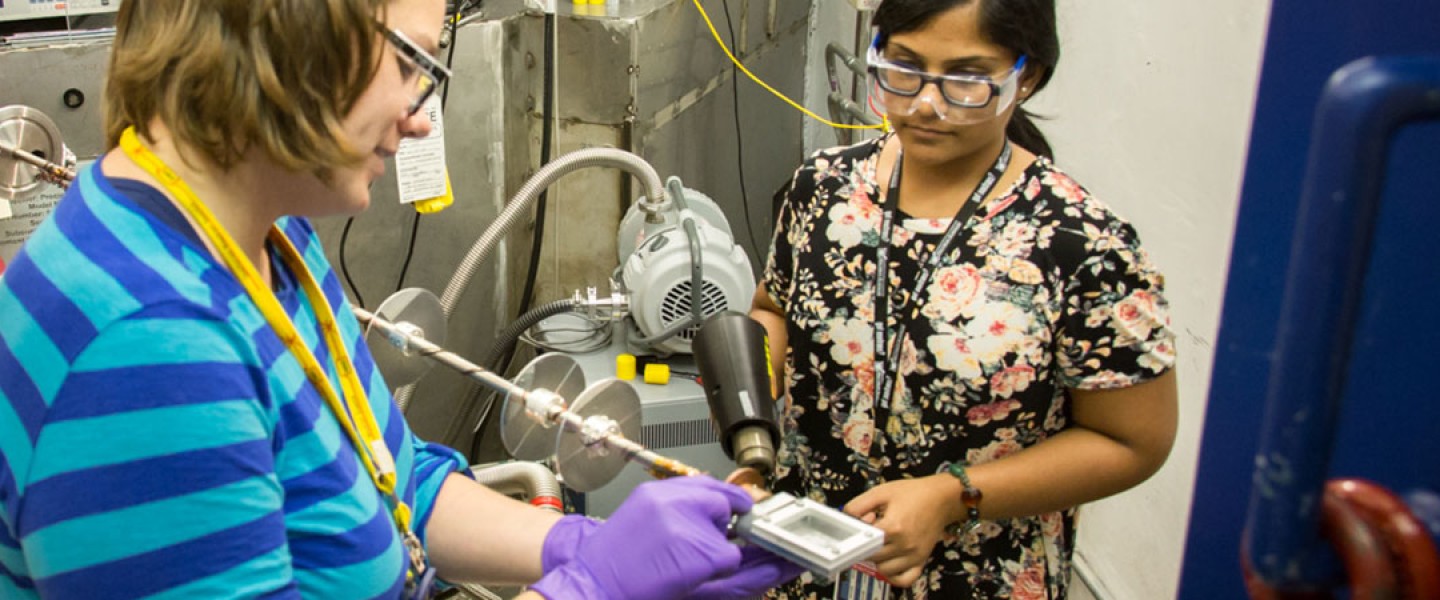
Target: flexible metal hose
point(520, 205)
point(530, 481)
point(472, 412)
point(512, 332)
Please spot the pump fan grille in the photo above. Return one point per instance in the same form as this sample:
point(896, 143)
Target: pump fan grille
point(675, 307)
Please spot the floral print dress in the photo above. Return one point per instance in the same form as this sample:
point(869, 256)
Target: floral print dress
point(1045, 290)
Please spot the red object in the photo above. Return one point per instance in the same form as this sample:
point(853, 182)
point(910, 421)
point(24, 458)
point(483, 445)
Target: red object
point(1406, 540)
point(869, 569)
point(1386, 550)
point(547, 502)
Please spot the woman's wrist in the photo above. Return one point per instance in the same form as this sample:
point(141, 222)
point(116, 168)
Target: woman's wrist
point(966, 504)
point(969, 495)
point(951, 509)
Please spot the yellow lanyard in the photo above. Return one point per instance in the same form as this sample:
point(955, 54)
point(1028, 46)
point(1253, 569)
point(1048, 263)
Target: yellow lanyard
point(353, 412)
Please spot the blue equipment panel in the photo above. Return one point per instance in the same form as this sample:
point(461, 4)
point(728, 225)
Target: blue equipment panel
point(1389, 428)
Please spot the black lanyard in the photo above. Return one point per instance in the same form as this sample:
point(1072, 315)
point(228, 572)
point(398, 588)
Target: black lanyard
point(886, 356)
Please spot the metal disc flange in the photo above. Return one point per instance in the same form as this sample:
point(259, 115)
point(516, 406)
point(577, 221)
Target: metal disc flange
point(585, 467)
point(30, 130)
point(417, 310)
point(524, 437)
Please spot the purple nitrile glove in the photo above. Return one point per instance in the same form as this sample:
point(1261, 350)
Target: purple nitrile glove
point(759, 571)
point(667, 538)
point(564, 539)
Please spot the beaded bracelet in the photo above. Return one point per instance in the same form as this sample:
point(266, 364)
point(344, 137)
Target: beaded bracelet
point(970, 496)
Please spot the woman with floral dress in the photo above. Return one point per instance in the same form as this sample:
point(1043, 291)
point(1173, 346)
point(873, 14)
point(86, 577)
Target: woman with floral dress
point(1023, 360)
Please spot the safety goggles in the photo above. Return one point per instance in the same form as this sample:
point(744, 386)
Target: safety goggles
point(418, 66)
point(968, 98)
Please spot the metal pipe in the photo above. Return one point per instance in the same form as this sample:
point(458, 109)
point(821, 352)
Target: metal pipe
point(834, 51)
point(862, 33)
point(49, 171)
point(445, 357)
point(847, 107)
point(842, 106)
point(541, 404)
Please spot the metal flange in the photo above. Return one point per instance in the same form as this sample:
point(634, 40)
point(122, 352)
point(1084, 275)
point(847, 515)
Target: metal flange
point(584, 460)
point(416, 312)
point(526, 438)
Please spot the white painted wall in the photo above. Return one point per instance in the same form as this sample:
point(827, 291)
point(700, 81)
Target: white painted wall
point(1151, 109)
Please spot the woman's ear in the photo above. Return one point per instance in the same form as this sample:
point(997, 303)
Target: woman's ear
point(1029, 80)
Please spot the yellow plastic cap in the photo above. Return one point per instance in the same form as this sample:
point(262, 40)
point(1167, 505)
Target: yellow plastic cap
point(625, 366)
point(657, 374)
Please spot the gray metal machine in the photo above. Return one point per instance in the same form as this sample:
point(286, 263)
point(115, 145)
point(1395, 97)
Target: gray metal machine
point(645, 76)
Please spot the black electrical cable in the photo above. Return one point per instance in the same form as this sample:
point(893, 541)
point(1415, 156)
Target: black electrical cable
point(409, 252)
point(739, 135)
point(451, 21)
point(547, 133)
point(344, 268)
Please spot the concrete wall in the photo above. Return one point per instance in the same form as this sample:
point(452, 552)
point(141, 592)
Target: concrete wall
point(1150, 109)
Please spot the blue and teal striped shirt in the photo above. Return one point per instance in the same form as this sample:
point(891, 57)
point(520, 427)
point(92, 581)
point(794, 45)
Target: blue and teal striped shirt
point(157, 440)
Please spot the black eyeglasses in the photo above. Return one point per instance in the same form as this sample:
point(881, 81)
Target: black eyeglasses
point(418, 66)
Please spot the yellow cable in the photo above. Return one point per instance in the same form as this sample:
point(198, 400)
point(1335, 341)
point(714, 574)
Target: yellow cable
point(762, 84)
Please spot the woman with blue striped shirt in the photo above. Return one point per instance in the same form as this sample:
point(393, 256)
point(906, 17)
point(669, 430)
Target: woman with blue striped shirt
point(186, 405)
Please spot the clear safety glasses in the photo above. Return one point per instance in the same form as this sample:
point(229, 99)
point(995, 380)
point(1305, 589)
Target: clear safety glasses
point(968, 98)
point(416, 65)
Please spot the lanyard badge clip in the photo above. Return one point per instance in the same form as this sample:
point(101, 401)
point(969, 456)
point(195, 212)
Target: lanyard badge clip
point(419, 578)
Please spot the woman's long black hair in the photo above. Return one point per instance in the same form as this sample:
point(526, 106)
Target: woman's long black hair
point(1023, 26)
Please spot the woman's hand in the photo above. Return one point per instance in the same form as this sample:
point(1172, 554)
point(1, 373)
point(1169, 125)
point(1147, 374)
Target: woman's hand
point(914, 514)
point(667, 538)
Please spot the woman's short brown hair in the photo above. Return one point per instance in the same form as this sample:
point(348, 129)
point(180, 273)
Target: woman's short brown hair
point(226, 76)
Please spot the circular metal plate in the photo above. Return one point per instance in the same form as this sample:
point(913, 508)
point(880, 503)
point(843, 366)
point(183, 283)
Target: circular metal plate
point(524, 437)
point(587, 469)
point(29, 130)
point(418, 307)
